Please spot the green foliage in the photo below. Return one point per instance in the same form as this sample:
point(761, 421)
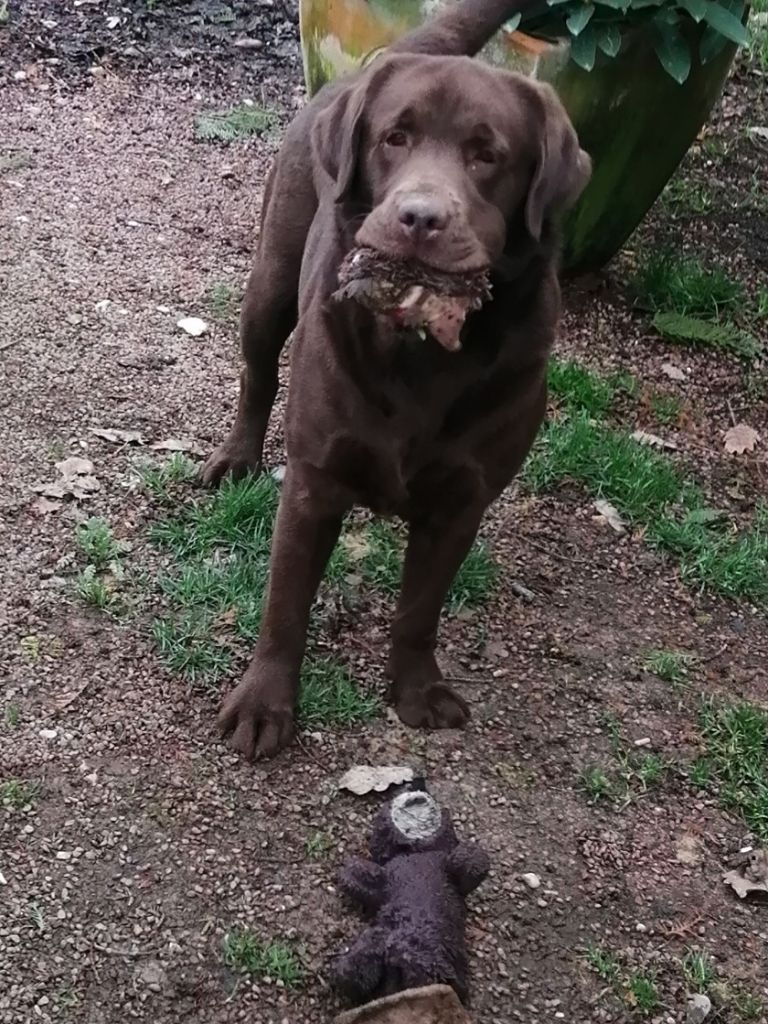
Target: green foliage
point(330, 696)
point(95, 540)
point(238, 123)
point(671, 666)
point(736, 740)
point(727, 336)
point(667, 281)
point(245, 953)
point(599, 27)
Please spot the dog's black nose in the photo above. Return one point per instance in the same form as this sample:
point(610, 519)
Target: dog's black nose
point(422, 216)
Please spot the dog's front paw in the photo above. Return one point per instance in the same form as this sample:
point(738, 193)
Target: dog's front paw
point(234, 458)
point(430, 707)
point(259, 717)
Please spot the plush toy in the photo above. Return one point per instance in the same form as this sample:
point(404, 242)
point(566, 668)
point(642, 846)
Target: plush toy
point(411, 294)
point(414, 887)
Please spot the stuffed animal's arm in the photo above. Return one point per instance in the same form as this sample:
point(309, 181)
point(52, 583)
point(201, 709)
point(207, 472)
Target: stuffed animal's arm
point(468, 866)
point(364, 882)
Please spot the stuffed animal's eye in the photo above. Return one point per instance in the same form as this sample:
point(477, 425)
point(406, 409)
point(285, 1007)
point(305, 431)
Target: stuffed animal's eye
point(396, 138)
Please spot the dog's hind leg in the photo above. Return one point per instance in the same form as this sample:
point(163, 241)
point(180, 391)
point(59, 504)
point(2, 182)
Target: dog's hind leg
point(270, 304)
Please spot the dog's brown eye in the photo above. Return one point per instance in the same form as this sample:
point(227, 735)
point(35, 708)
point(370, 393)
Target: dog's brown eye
point(396, 138)
point(485, 156)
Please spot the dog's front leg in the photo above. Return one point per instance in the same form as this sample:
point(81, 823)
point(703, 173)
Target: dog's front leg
point(260, 712)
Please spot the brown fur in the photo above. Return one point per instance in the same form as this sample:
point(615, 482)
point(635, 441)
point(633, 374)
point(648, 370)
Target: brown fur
point(425, 155)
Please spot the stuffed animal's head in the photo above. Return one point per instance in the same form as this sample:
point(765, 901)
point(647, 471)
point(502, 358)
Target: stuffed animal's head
point(411, 823)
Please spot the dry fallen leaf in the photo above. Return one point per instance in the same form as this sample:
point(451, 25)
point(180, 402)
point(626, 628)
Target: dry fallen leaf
point(76, 480)
point(751, 876)
point(174, 444)
point(365, 778)
point(653, 440)
point(741, 438)
point(193, 325)
point(611, 515)
point(117, 436)
point(357, 545)
point(672, 371)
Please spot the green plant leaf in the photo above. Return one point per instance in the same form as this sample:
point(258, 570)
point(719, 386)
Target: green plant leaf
point(513, 22)
point(712, 44)
point(609, 39)
point(579, 19)
point(726, 23)
point(584, 48)
point(696, 8)
point(679, 327)
point(616, 5)
point(673, 52)
point(638, 5)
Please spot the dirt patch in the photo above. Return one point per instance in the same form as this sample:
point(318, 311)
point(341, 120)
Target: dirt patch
point(145, 841)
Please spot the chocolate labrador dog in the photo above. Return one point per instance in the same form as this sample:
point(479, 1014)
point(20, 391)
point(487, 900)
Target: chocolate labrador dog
point(426, 155)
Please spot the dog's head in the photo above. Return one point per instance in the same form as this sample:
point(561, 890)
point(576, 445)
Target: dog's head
point(437, 156)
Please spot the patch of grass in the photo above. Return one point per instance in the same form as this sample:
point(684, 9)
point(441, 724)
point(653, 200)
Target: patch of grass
point(596, 784)
point(16, 794)
point(758, 38)
point(94, 538)
point(666, 408)
point(736, 741)
point(693, 196)
point(31, 646)
point(642, 993)
point(96, 590)
point(330, 696)
point(577, 388)
point(698, 970)
point(245, 953)
point(162, 481)
point(187, 648)
point(649, 491)
point(761, 305)
point(12, 715)
point(749, 1007)
point(603, 963)
point(670, 666)
point(700, 773)
point(241, 122)
point(667, 281)
point(318, 846)
point(222, 300)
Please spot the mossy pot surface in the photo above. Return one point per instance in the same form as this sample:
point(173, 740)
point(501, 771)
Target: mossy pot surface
point(634, 120)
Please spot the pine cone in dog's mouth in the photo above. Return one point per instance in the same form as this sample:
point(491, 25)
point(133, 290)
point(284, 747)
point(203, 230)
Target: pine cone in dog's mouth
point(412, 294)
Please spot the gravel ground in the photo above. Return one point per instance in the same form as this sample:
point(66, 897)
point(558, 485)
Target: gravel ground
point(147, 840)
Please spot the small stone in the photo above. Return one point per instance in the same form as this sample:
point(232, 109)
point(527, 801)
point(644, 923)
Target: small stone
point(192, 325)
point(689, 850)
point(698, 1009)
point(531, 880)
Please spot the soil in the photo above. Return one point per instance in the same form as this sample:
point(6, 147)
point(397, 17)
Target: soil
point(148, 839)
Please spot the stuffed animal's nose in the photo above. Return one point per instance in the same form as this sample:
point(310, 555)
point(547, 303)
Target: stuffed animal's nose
point(422, 216)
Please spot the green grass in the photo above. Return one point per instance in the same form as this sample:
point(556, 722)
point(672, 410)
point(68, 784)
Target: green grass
point(95, 590)
point(16, 794)
point(12, 716)
point(758, 38)
point(692, 196)
point(698, 970)
point(642, 993)
point(666, 408)
point(671, 666)
point(603, 963)
point(573, 386)
point(723, 334)
point(163, 481)
point(241, 122)
point(736, 754)
point(246, 953)
point(330, 696)
point(667, 281)
point(651, 493)
point(94, 538)
point(222, 300)
point(318, 846)
point(596, 783)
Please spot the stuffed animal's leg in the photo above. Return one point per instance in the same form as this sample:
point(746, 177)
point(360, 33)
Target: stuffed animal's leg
point(363, 882)
point(357, 974)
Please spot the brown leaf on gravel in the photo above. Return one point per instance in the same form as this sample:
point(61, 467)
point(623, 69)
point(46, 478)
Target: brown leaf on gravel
point(653, 440)
point(175, 444)
point(42, 506)
point(117, 436)
point(611, 515)
point(741, 438)
point(76, 480)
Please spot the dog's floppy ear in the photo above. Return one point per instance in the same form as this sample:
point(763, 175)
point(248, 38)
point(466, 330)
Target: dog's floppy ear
point(338, 130)
point(562, 168)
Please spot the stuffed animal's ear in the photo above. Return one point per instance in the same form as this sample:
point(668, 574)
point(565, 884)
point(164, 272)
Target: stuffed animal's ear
point(562, 168)
point(468, 866)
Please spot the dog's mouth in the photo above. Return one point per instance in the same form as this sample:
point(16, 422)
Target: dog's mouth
point(413, 295)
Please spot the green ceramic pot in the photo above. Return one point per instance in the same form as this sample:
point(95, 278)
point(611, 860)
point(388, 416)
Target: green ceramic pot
point(634, 120)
